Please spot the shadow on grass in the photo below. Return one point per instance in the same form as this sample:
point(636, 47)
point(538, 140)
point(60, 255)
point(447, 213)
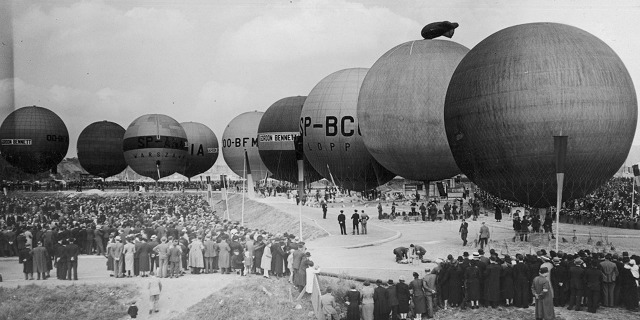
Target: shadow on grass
point(98, 302)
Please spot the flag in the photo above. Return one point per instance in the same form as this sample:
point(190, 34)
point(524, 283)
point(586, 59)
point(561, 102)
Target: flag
point(316, 300)
point(636, 174)
point(250, 192)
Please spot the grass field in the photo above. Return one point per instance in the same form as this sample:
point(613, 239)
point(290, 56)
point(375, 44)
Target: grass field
point(251, 298)
point(97, 302)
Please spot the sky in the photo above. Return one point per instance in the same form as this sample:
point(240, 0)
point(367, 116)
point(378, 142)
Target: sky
point(209, 61)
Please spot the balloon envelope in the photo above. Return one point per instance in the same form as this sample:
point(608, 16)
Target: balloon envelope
point(242, 134)
point(203, 148)
point(34, 139)
point(401, 109)
point(332, 139)
point(100, 149)
point(523, 85)
point(278, 127)
point(155, 146)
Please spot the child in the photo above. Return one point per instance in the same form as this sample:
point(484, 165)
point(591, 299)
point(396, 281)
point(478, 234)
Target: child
point(133, 310)
point(237, 262)
point(290, 265)
point(248, 261)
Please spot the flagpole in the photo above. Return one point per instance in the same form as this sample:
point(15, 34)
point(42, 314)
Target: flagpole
point(244, 169)
point(560, 150)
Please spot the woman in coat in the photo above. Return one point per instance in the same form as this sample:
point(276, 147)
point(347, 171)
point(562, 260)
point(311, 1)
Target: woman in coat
point(472, 284)
point(143, 258)
point(506, 282)
point(26, 260)
point(455, 283)
point(196, 260)
point(419, 299)
point(129, 252)
point(367, 301)
point(224, 256)
point(40, 257)
point(265, 264)
point(404, 295)
point(258, 251)
point(278, 258)
point(352, 299)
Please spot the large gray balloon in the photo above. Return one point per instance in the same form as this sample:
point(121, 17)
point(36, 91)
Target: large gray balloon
point(155, 146)
point(332, 139)
point(203, 148)
point(242, 134)
point(401, 109)
point(523, 85)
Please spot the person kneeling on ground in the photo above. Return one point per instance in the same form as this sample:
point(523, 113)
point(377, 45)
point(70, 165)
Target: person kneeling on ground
point(401, 253)
point(418, 250)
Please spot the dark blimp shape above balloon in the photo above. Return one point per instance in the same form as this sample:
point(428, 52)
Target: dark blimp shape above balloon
point(100, 149)
point(331, 135)
point(523, 85)
point(242, 134)
point(401, 109)
point(155, 146)
point(437, 29)
point(278, 128)
point(34, 139)
point(203, 148)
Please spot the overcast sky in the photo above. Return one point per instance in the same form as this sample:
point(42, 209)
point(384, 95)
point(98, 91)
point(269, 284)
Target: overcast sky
point(210, 60)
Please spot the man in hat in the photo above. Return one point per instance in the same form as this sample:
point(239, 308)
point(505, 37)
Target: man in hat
point(576, 284)
point(464, 230)
point(341, 221)
point(610, 274)
point(543, 294)
point(559, 282)
point(72, 252)
point(484, 235)
point(162, 250)
point(363, 221)
point(392, 299)
point(355, 217)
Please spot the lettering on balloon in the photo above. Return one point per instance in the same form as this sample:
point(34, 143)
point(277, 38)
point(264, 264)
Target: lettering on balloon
point(16, 142)
point(240, 142)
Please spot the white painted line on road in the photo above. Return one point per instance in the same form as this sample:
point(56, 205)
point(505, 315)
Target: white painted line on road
point(319, 226)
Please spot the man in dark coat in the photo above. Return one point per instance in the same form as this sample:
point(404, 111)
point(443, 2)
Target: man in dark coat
point(392, 299)
point(355, 217)
point(295, 262)
point(576, 284)
point(521, 283)
point(89, 239)
point(559, 282)
point(381, 307)
point(60, 258)
point(341, 222)
point(492, 283)
point(401, 253)
point(72, 252)
point(464, 230)
point(498, 213)
point(593, 280)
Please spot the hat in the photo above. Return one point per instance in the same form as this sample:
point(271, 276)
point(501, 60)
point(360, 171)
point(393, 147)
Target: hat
point(308, 254)
point(390, 281)
point(466, 254)
point(556, 260)
point(401, 279)
point(153, 236)
point(378, 281)
point(544, 270)
point(578, 261)
point(476, 255)
point(118, 238)
point(480, 251)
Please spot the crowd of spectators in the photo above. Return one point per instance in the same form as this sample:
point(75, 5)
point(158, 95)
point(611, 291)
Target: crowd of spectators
point(608, 206)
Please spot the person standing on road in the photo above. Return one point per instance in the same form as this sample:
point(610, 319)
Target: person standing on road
point(323, 204)
point(355, 217)
point(155, 287)
point(484, 235)
point(464, 230)
point(341, 221)
point(363, 221)
point(72, 252)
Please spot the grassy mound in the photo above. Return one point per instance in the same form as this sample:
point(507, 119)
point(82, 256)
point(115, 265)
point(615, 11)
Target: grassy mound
point(262, 216)
point(66, 302)
point(251, 298)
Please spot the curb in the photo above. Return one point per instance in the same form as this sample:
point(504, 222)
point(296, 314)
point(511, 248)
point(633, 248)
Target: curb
point(374, 243)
